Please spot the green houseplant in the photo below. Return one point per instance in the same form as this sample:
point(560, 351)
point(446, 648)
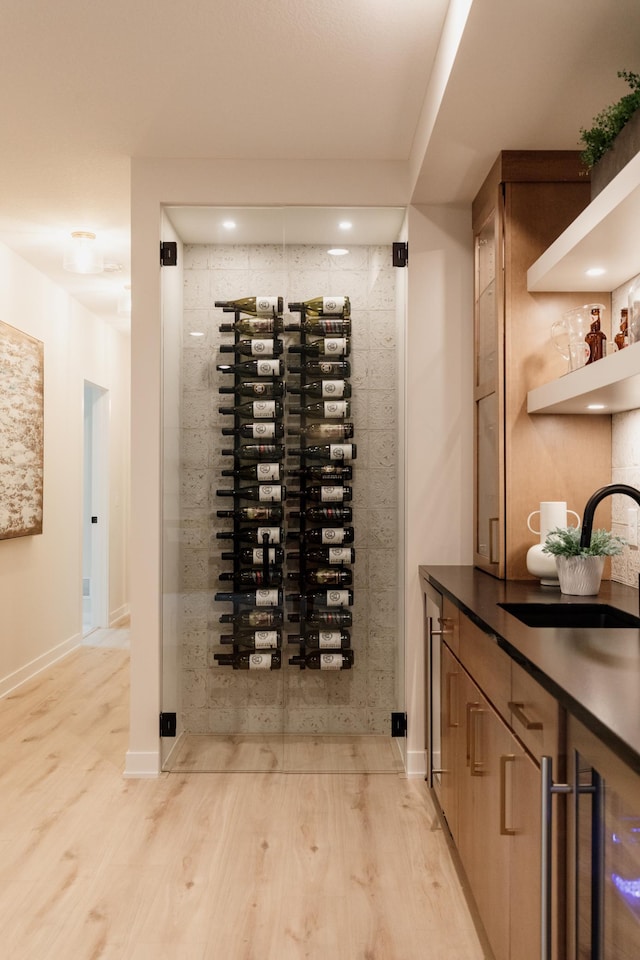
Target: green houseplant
point(607, 124)
point(580, 568)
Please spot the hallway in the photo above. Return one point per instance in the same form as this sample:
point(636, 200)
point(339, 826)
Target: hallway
point(204, 866)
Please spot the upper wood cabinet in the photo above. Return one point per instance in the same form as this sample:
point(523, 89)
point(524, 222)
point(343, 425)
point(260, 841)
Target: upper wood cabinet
point(527, 200)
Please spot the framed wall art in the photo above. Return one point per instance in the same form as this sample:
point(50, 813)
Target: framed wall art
point(21, 433)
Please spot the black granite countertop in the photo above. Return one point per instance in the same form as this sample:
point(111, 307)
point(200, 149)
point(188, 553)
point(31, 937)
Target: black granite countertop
point(594, 673)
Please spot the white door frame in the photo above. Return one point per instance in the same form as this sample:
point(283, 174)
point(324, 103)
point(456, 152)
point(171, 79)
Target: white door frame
point(99, 505)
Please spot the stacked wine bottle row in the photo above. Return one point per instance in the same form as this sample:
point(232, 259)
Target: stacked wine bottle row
point(255, 408)
point(319, 408)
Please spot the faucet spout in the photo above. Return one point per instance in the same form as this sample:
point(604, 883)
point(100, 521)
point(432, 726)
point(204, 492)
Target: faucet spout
point(595, 499)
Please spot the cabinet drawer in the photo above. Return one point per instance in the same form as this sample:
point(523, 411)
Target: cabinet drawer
point(450, 625)
point(487, 663)
point(535, 714)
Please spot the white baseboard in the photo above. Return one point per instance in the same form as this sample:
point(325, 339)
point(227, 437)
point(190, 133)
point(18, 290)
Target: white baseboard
point(416, 765)
point(142, 764)
point(34, 667)
point(117, 615)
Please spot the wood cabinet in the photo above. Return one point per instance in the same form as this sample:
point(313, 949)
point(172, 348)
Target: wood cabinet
point(494, 728)
point(525, 203)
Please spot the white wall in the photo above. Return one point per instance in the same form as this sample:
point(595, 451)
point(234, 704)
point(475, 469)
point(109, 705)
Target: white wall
point(41, 576)
point(438, 425)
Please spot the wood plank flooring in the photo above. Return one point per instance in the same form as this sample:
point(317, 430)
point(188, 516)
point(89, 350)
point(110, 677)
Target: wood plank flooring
point(200, 866)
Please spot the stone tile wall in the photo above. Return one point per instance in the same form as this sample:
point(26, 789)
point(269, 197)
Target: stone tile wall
point(220, 700)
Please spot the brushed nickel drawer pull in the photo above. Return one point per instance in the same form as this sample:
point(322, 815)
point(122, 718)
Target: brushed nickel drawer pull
point(505, 831)
point(517, 710)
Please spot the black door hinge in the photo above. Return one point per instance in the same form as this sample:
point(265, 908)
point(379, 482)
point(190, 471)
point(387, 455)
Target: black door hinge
point(400, 254)
point(398, 724)
point(168, 724)
point(168, 253)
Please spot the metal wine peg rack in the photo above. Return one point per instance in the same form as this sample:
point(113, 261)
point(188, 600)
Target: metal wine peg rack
point(321, 450)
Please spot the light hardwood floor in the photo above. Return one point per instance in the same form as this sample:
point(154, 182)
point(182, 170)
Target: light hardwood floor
point(202, 866)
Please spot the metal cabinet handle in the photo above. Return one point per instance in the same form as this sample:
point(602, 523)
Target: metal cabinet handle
point(450, 687)
point(517, 710)
point(505, 831)
point(469, 708)
point(492, 538)
point(445, 631)
point(547, 789)
point(475, 764)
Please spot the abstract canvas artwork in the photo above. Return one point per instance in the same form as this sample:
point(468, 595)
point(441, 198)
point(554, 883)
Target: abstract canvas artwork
point(21, 433)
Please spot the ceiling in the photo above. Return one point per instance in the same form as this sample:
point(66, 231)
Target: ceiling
point(441, 86)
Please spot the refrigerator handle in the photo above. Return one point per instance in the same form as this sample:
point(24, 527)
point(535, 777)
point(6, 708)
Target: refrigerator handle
point(548, 788)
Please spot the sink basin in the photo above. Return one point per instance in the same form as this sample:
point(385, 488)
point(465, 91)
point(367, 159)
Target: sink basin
point(579, 615)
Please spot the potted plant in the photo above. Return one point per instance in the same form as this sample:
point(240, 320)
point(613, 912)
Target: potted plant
point(580, 568)
point(599, 155)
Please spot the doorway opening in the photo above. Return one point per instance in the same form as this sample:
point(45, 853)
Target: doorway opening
point(95, 517)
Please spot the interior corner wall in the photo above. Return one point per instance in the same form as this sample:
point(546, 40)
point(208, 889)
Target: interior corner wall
point(41, 576)
point(438, 426)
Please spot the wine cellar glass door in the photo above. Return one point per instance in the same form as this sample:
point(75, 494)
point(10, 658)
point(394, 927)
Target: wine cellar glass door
point(287, 531)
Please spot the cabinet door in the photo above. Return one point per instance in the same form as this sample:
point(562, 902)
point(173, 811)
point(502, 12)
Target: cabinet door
point(523, 821)
point(450, 677)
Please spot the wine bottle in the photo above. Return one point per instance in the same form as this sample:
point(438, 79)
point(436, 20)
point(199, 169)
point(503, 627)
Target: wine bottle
point(256, 368)
point(325, 598)
point(256, 347)
point(323, 368)
point(257, 306)
point(322, 639)
point(271, 597)
point(325, 576)
point(256, 451)
point(323, 306)
point(323, 431)
point(333, 618)
point(328, 536)
point(242, 579)
point(335, 515)
point(325, 347)
point(262, 472)
point(329, 409)
point(260, 409)
point(327, 451)
point(263, 492)
point(250, 661)
point(265, 513)
point(325, 389)
point(262, 389)
point(324, 494)
point(254, 555)
point(260, 618)
point(324, 661)
point(322, 326)
point(254, 639)
point(264, 430)
point(252, 534)
point(253, 326)
point(328, 472)
point(325, 555)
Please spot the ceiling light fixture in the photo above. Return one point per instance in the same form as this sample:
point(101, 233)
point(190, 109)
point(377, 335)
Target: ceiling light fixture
point(596, 406)
point(345, 225)
point(337, 252)
point(229, 224)
point(595, 271)
point(196, 333)
point(82, 254)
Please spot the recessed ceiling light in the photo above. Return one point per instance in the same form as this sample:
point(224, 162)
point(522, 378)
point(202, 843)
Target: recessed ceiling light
point(595, 271)
point(337, 252)
point(345, 225)
point(229, 224)
point(596, 406)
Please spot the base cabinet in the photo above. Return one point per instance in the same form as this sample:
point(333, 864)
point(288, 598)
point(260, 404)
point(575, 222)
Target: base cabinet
point(490, 791)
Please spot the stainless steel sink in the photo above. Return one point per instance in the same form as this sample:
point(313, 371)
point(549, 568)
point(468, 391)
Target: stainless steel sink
point(578, 615)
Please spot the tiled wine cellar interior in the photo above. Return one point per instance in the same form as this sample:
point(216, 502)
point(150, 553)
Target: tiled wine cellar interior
point(217, 699)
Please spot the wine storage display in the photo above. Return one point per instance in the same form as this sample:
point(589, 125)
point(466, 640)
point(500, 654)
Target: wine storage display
point(255, 404)
point(307, 460)
point(323, 470)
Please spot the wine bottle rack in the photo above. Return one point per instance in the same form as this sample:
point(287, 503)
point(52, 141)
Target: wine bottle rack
point(316, 400)
point(255, 404)
point(325, 434)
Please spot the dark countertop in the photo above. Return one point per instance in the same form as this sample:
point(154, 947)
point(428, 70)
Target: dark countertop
point(594, 673)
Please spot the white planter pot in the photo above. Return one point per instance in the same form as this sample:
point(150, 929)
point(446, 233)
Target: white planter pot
point(580, 576)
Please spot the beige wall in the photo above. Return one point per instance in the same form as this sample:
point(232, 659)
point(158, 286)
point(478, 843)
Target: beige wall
point(41, 576)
